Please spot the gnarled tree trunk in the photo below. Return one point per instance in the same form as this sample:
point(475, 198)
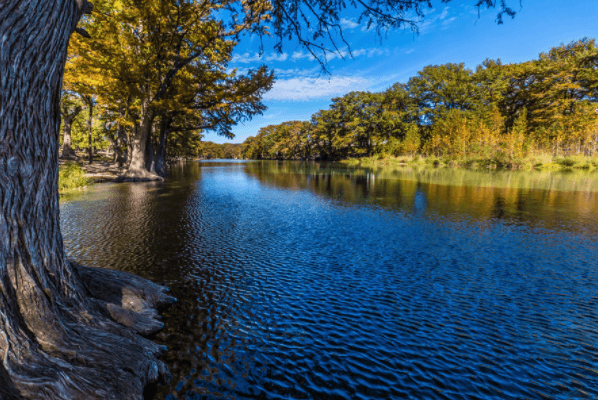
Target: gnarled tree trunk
point(66, 331)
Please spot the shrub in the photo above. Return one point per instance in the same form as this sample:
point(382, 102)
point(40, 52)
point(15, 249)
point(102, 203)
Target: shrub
point(566, 162)
point(71, 175)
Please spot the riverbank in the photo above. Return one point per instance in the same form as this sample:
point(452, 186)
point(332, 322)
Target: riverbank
point(78, 175)
point(542, 162)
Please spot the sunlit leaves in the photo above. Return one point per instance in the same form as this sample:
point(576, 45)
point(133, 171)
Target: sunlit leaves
point(499, 112)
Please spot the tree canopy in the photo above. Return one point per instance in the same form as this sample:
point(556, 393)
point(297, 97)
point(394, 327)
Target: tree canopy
point(500, 112)
point(158, 71)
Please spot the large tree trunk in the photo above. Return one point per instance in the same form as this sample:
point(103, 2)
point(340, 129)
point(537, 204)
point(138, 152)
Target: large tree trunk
point(138, 168)
point(66, 331)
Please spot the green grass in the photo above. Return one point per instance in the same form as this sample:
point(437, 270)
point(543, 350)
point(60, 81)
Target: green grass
point(71, 176)
point(540, 162)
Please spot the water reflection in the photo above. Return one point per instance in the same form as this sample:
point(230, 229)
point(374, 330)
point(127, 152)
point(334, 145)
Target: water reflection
point(312, 281)
point(556, 200)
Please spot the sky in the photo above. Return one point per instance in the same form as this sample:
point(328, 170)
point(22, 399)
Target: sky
point(452, 32)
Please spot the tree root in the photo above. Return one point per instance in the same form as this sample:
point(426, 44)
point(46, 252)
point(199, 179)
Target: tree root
point(99, 354)
point(69, 154)
point(128, 299)
point(138, 175)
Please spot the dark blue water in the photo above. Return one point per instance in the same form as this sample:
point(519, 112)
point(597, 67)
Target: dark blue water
point(303, 283)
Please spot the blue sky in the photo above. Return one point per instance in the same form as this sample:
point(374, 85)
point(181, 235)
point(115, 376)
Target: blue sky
point(448, 33)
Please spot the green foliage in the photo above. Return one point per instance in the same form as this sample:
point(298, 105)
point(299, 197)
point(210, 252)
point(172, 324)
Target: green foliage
point(71, 176)
point(159, 69)
point(211, 151)
point(498, 116)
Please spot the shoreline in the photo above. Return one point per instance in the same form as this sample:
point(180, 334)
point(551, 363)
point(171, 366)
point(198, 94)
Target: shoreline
point(539, 162)
point(87, 174)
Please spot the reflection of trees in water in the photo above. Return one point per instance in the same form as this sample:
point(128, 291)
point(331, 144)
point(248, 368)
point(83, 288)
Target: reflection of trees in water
point(515, 196)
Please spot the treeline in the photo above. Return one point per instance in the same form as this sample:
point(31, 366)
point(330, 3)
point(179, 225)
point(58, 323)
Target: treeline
point(499, 112)
point(145, 79)
point(211, 151)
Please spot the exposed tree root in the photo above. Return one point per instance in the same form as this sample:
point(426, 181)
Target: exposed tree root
point(138, 175)
point(95, 351)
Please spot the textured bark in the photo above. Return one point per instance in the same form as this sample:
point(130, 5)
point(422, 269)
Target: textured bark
point(66, 331)
point(149, 151)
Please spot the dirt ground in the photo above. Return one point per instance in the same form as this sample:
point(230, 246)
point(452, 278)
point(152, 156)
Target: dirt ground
point(99, 171)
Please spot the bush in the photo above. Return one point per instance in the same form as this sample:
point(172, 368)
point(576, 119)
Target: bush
point(71, 176)
point(566, 162)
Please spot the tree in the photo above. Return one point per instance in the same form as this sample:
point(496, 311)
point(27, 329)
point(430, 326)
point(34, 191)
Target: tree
point(438, 89)
point(69, 109)
point(69, 331)
point(165, 42)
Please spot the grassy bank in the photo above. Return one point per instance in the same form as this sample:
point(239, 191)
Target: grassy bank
point(542, 162)
point(72, 176)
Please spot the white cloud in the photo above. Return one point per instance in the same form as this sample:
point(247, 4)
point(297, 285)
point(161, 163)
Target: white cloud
point(377, 52)
point(248, 57)
point(294, 72)
point(348, 23)
point(304, 89)
point(432, 19)
point(299, 55)
point(277, 57)
point(446, 22)
point(444, 14)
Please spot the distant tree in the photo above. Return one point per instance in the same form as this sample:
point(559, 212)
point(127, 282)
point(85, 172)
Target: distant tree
point(438, 89)
point(69, 109)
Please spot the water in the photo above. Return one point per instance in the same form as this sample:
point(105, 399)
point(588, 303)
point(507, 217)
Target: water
point(315, 282)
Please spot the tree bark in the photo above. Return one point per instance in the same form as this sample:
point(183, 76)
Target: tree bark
point(160, 159)
point(149, 150)
point(66, 331)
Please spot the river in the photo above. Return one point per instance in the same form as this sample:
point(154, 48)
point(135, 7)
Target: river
point(314, 281)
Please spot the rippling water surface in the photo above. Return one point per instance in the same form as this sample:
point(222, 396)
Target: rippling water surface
point(312, 282)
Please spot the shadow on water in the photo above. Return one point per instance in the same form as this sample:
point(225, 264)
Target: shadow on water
point(314, 281)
